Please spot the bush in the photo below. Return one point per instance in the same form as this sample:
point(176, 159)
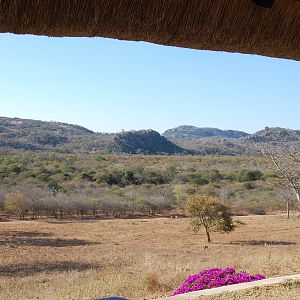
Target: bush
point(199, 181)
point(249, 186)
point(216, 277)
point(256, 210)
point(246, 175)
point(205, 177)
point(212, 175)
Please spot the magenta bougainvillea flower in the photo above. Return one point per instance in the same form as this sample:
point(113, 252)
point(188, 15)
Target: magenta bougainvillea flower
point(215, 277)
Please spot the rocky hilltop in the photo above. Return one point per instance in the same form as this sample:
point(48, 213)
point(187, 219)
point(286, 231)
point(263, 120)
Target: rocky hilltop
point(186, 132)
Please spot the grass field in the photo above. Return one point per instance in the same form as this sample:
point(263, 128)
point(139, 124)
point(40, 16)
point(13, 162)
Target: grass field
point(136, 259)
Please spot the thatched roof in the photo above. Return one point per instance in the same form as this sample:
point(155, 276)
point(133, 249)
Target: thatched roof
point(228, 25)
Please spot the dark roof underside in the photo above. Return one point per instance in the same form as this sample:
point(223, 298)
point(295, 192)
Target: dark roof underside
point(226, 25)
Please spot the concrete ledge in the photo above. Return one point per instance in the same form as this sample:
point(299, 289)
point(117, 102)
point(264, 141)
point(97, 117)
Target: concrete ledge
point(233, 288)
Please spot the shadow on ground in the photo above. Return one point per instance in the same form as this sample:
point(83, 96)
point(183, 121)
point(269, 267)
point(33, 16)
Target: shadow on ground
point(38, 239)
point(23, 270)
point(18, 242)
point(14, 234)
point(262, 243)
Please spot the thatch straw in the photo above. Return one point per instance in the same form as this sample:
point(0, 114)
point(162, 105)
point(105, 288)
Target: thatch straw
point(228, 25)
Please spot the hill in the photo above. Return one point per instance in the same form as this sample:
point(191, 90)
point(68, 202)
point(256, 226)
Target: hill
point(36, 135)
point(187, 132)
point(145, 142)
point(33, 135)
point(212, 141)
point(276, 134)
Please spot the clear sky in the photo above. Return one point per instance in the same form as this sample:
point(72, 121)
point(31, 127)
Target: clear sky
point(109, 85)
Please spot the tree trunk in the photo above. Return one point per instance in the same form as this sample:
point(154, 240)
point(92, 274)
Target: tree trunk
point(207, 234)
point(288, 208)
point(297, 195)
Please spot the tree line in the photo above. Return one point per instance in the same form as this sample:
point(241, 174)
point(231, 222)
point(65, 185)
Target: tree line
point(96, 185)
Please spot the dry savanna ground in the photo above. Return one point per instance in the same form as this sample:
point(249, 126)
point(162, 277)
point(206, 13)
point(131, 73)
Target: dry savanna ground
point(136, 259)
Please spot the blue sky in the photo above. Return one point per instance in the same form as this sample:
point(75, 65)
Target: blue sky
point(109, 85)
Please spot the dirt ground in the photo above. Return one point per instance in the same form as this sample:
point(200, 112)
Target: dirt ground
point(136, 259)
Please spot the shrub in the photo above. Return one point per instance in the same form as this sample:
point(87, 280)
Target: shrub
point(215, 277)
point(199, 181)
point(249, 186)
point(212, 175)
point(256, 210)
point(249, 175)
point(205, 177)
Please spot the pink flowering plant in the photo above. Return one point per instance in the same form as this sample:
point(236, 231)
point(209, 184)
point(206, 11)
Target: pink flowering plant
point(215, 277)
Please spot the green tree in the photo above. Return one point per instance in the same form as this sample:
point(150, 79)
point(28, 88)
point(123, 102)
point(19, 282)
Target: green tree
point(206, 211)
point(15, 203)
point(53, 187)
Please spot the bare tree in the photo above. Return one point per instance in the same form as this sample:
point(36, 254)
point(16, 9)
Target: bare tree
point(285, 193)
point(286, 161)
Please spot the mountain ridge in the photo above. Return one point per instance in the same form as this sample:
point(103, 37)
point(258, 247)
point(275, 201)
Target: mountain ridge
point(36, 135)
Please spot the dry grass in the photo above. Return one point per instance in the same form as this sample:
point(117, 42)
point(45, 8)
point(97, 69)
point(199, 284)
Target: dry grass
point(134, 258)
point(289, 290)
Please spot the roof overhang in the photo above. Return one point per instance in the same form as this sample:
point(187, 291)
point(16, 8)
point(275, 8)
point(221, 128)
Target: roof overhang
point(221, 25)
